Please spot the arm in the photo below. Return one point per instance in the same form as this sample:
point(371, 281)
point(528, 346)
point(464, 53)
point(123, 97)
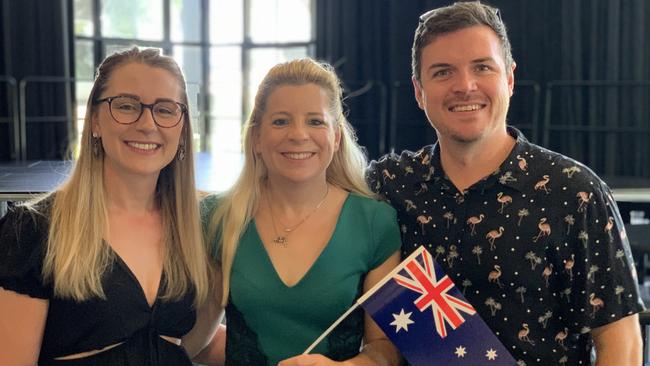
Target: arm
point(619, 343)
point(377, 349)
point(208, 318)
point(214, 353)
point(22, 322)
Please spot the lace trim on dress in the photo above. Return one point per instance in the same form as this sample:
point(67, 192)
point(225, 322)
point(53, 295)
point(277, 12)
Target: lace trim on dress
point(345, 340)
point(242, 345)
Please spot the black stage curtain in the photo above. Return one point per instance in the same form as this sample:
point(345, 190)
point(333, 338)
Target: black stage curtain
point(604, 126)
point(34, 45)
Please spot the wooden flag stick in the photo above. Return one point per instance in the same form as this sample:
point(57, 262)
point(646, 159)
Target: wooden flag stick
point(331, 328)
point(363, 298)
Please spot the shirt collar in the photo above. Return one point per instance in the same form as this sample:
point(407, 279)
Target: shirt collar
point(509, 173)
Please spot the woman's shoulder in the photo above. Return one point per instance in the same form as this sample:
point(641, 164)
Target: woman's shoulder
point(369, 203)
point(210, 202)
point(23, 242)
point(29, 217)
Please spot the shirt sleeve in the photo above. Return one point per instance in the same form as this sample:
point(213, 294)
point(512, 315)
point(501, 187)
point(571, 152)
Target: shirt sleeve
point(604, 277)
point(23, 236)
point(372, 176)
point(385, 233)
point(208, 206)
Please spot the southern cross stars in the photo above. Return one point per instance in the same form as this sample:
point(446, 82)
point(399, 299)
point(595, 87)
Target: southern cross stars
point(491, 354)
point(460, 351)
point(402, 321)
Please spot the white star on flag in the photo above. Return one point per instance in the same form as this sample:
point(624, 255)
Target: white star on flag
point(460, 351)
point(402, 321)
point(491, 354)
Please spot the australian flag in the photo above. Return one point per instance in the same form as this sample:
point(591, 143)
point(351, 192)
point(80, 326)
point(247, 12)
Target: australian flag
point(428, 319)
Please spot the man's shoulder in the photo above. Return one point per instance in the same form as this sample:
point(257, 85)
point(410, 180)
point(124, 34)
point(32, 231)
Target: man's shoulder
point(551, 162)
point(403, 161)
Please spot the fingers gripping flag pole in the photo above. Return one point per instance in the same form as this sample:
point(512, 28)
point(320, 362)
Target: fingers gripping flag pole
point(426, 316)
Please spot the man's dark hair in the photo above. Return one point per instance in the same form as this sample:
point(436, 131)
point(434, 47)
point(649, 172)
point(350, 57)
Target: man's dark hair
point(455, 17)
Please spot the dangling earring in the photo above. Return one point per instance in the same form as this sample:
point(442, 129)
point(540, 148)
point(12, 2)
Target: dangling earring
point(96, 140)
point(181, 151)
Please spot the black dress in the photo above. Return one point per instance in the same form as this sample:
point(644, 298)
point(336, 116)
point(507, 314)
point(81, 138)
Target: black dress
point(74, 327)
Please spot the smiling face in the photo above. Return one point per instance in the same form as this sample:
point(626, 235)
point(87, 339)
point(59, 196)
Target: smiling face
point(141, 148)
point(466, 88)
point(297, 137)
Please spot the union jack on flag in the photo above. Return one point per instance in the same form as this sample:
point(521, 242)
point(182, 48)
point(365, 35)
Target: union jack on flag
point(427, 317)
point(434, 293)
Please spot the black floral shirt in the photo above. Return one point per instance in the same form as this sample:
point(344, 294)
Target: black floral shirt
point(538, 247)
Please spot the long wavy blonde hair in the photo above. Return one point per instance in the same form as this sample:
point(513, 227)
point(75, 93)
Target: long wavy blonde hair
point(238, 205)
point(77, 257)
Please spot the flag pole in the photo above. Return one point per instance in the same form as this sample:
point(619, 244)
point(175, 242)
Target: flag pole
point(331, 328)
point(362, 299)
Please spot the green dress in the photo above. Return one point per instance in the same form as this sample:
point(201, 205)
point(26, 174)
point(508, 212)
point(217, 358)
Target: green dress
point(269, 321)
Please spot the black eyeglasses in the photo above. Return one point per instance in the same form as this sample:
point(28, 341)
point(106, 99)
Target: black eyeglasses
point(127, 110)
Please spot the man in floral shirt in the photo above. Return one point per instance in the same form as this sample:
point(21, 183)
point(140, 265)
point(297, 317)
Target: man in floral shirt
point(533, 238)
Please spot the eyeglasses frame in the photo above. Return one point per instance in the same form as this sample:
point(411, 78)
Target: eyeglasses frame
point(109, 100)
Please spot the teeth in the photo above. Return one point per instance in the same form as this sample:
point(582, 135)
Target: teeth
point(140, 146)
point(466, 108)
point(298, 156)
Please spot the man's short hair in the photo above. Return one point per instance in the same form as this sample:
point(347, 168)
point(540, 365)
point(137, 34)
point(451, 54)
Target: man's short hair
point(451, 18)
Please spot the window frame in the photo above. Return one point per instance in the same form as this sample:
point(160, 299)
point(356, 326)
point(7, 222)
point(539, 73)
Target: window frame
point(204, 118)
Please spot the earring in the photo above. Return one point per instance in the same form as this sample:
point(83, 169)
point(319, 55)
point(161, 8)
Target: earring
point(96, 140)
point(181, 151)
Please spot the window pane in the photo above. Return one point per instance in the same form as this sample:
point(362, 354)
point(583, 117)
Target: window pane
point(83, 20)
point(225, 99)
point(84, 62)
point(226, 21)
point(225, 81)
point(226, 165)
point(140, 19)
point(189, 60)
point(262, 59)
point(225, 136)
point(186, 20)
point(82, 92)
point(281, 21)
point(84, 73)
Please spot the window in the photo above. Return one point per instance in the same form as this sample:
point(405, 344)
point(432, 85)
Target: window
point(223, 46)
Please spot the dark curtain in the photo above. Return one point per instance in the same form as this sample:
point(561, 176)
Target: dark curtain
point(355, 45)
point(34, 46)
point(7, 89)
point(606, 40)
point(552, 40)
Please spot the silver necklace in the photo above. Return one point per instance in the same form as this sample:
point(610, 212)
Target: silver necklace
point(283, 240)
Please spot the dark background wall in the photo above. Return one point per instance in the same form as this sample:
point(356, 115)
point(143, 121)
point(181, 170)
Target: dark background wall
point(35, 35)
point(572, 41)
point(555, 42)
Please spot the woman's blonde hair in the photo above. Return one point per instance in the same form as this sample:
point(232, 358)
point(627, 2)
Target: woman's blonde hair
point(239, 204)
point(76, 257)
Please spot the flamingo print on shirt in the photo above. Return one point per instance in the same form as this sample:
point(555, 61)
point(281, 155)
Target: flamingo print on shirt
point(540, 233)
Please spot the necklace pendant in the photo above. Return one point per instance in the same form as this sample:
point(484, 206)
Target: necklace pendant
point(280, 240)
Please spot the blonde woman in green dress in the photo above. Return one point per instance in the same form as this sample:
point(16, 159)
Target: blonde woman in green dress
point(300, 236)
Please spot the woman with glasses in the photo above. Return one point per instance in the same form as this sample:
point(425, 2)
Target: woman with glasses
point(299, 236)
point(109, 268)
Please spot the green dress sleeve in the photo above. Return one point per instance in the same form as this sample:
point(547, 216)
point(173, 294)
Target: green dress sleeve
point(208, 206)
point(385, 232)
